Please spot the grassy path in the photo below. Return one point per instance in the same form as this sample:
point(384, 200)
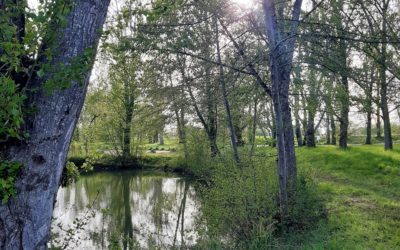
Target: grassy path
point(362, 190)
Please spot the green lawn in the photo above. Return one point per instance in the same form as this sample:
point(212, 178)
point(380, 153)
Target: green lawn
point(361, 186)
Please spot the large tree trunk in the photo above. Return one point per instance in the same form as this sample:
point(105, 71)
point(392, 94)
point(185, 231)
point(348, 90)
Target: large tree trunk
point(25, 220)
point(281, 59)
point(343, 94)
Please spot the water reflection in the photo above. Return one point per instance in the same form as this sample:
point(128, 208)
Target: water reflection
point(131, 209)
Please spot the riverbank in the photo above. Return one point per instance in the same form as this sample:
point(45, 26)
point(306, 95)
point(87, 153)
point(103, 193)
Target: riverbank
point(360, 188)
point(166, 162)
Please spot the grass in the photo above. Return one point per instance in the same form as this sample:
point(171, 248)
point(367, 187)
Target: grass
point(170, 143)
point(361, 186)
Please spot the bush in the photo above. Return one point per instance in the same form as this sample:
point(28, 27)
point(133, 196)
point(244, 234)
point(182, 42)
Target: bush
point(306, 207)
point(198, 159)
point(240, 205)
point(239, 202)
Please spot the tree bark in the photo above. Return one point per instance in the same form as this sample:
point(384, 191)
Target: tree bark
point(368, 139)
point(254, 126)
point(210, 126)
point(368, 106)
point(328, 130)
point(299, 136)
point(310, 134)
point(126, 149)
point(344, 113)
point(25, 221)
point(387, 130)
point(281, 59)
point(378, 123)
point(333, 130)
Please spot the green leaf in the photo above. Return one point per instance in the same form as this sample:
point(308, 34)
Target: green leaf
point(40, 73)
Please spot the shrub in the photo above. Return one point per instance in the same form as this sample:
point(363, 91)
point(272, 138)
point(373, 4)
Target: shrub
point(241, 209)
point(199, 159)
point(240, 202)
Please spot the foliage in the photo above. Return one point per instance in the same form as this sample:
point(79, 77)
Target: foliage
point(198, 154)
point(11, 116)
point(240, 205)
point(306, 206)
point(70, 174)
point(8, 174)
point(61, 76)
point(239, 201)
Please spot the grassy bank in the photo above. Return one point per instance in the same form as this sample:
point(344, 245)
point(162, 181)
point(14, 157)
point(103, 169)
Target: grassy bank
point(361, 187)
point(167, 156)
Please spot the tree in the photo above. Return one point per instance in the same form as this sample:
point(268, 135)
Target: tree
point(281, 58)
point(225, 96)
point(25, 219)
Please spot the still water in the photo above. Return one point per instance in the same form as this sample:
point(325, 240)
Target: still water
point(133, 209)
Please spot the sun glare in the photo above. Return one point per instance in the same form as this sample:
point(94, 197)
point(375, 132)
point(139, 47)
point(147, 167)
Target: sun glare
point(244, 3)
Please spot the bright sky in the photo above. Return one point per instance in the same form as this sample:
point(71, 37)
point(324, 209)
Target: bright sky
point(244, 3)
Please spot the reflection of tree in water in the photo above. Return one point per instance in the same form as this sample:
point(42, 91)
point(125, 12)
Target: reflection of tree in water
point(181, 217)
point(128, 227)
point(149, 210)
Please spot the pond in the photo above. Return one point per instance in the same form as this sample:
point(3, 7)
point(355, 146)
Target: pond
point(132, 209)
